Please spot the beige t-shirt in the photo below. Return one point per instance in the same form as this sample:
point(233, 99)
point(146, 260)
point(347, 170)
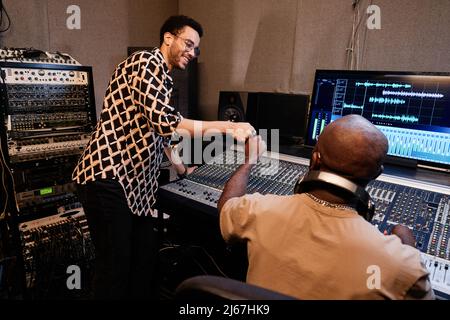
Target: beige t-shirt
point(301, 248)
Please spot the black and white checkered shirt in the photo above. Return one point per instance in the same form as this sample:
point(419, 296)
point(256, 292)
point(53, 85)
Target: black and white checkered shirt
point(135, 124)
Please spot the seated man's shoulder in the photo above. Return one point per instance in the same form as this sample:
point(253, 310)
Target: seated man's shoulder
point(260, 204)
point(395, 256)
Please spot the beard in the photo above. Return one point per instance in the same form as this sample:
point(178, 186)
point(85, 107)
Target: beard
point(180, 59)
point(182, 63)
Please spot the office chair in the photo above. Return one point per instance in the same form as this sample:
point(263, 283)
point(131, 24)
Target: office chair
point(215, 288)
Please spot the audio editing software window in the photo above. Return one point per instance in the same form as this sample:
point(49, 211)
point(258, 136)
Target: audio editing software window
point(411, 109)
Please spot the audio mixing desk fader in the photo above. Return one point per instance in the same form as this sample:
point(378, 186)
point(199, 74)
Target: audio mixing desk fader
point(423, 207)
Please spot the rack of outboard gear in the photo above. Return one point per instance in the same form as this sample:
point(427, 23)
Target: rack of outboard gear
point(47, 114)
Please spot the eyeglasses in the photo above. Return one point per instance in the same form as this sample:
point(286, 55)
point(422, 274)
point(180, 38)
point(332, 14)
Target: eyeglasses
point(189, 45)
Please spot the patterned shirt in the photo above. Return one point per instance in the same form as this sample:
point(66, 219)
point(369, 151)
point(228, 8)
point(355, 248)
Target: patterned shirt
point(135, 124)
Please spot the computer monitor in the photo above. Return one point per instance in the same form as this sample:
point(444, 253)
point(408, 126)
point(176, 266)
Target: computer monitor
point(411, 109)
point(281, 111)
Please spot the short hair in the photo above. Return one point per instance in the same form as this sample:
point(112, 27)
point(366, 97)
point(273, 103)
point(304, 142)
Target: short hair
point(175, 24)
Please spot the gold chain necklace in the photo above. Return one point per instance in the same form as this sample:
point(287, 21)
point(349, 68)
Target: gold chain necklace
point(329, 204)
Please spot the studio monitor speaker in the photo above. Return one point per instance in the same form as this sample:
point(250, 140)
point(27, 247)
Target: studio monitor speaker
point(232, 106)
point(266, 110)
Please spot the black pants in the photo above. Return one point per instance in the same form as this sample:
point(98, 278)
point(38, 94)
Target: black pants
point(126, 245)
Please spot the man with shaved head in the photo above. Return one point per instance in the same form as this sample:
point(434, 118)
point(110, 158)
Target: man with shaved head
point(351, 146)
point(315, 244)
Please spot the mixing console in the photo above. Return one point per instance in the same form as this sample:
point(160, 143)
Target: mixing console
point(204, 185)
point(422, 209)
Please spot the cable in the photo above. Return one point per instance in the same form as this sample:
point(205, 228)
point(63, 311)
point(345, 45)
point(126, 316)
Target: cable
point(355, 50)
point(174, 246)
point(357, 60)
point(3, 168)
point(199, 265)
point(169, 248)
point(212, 260)
point(3, 160)
point(3, 213)
point(363, 48)
point(2, 9)
point(353, 46)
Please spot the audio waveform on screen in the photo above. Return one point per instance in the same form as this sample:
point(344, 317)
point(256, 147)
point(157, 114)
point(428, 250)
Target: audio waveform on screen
point(402, 118)
point(387, 100)
point(352, 106)
point(417, 144)
point(380, 84)
point(413, 94)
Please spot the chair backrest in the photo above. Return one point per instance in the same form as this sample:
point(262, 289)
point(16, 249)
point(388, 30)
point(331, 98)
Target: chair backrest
point(220, 288)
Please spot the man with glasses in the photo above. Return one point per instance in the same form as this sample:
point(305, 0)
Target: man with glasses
point(117, 174)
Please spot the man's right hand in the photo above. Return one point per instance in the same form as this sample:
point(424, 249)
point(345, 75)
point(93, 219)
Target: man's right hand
point(254, 148)
point(405, 234)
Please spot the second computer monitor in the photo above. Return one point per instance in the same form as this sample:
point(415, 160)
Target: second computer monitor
point(411, 109)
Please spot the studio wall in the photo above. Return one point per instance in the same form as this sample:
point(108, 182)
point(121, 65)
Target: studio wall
point(276, 46)
point(248, 45)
